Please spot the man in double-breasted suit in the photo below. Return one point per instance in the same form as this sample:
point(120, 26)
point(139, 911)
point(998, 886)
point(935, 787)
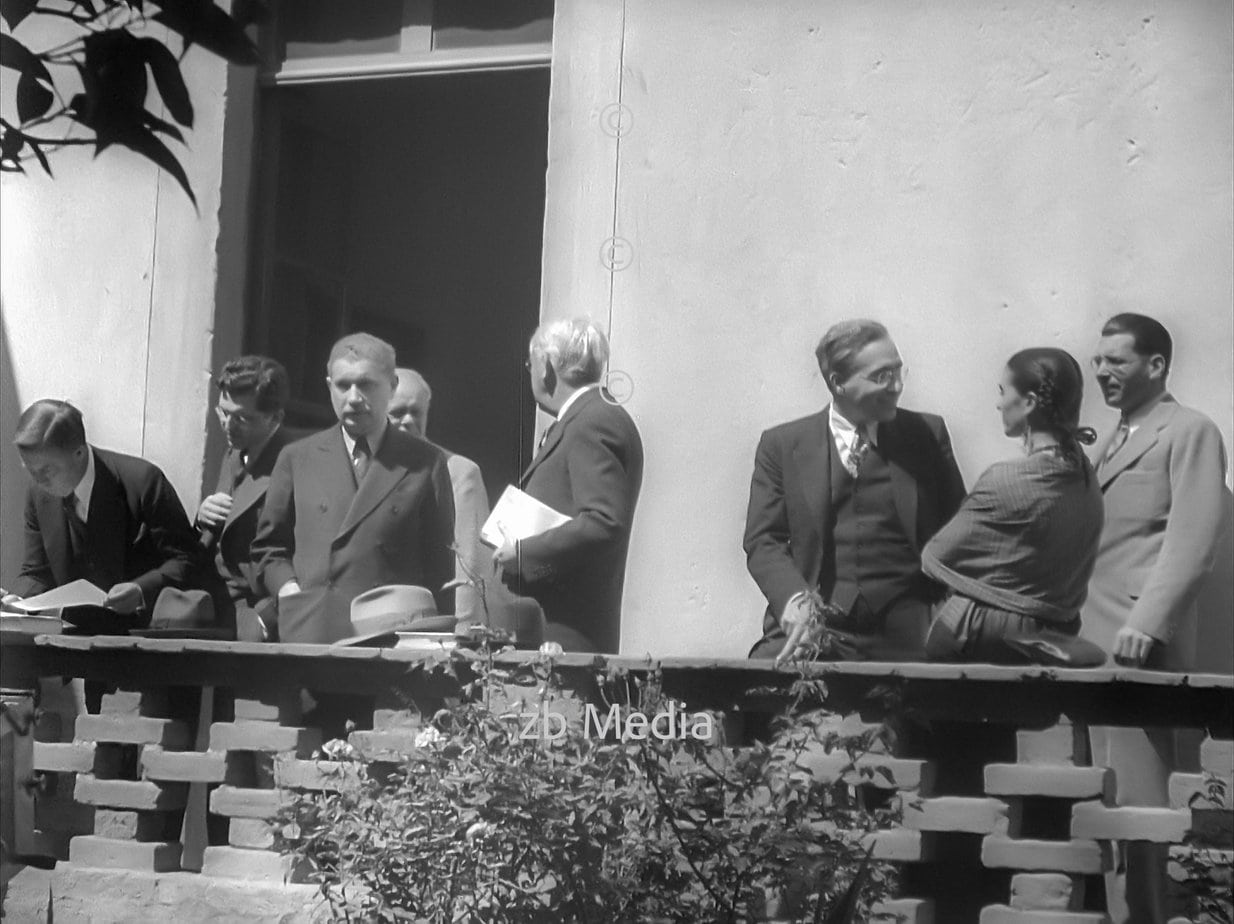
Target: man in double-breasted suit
point(109, 518)
point(354, 507)
point(841, 503)
point(589, 466)
point(252, 395)
point(1162, 472)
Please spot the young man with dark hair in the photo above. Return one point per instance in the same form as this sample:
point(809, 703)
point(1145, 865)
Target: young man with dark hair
point(109, 518)
point(1162, 473)
point(252, 396)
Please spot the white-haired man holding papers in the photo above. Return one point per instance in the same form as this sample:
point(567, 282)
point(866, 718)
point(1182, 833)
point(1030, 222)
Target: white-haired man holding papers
point(588, 467)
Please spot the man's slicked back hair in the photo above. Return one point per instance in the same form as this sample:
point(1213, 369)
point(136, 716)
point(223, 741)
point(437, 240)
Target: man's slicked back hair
point(50, 424)
point(842, 342)
point(1149, 336)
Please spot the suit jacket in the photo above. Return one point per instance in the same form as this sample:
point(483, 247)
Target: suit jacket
point(470, 512)
point(788, 523)
point(136, 529)
point(591, 469)
point(232, 543)
point(337, 540)
point(1164, 518)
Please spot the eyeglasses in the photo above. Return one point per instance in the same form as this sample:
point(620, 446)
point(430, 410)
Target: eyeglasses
point(241, 418)
point(885, 378)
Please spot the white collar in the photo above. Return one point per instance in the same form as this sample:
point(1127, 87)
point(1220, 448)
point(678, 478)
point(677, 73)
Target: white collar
point(845, 432)
point(374, 443)
point(85, 487)
point(574, 397)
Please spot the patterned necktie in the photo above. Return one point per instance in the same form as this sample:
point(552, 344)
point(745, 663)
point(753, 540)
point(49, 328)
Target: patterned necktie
point(1120, 439)
point(857, 454)
point(360, 459)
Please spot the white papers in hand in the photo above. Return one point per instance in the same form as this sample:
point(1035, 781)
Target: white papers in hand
point(518, 515)
point(75, 593)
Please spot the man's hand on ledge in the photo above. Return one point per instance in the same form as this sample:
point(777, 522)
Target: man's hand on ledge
point(124, 598)
point(214, 510)
point(800, 625)
point(291, 587)
point(8, 599)
point(1131, 647)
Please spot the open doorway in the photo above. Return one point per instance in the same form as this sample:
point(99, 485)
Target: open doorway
point(412, 207)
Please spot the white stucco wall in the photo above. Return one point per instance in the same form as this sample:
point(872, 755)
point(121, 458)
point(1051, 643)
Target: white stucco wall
point(981, 177)
point(109, 280)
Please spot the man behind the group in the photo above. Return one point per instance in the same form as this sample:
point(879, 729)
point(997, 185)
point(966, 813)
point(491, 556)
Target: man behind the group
point(589, 466)
point(252, 395)
point(355, 507)
point(1162, 472)
point(841, 503)
point(109, 518)
point(409, 412)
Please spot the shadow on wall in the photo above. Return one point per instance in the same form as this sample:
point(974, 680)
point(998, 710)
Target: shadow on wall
point(1216, 605)
point(12, 478)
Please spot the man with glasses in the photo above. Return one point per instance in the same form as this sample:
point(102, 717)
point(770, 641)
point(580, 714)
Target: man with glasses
point(1162, 472)
point(252, 395)
point(841, 503)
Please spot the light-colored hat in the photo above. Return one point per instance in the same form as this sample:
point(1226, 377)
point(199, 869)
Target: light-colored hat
point(394, 607)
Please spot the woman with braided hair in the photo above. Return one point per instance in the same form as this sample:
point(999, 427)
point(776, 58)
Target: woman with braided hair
point(1018, 554)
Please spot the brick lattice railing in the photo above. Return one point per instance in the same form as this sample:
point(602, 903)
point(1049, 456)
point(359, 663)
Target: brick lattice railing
point(1003, 818)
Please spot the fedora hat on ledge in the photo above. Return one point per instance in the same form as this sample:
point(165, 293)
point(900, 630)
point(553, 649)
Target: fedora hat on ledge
point(383, 611)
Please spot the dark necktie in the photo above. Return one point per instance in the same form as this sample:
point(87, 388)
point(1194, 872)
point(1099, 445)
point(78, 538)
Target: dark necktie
point(544, 439)
point(76, 527)
point(1120, 439)
point(360, 459)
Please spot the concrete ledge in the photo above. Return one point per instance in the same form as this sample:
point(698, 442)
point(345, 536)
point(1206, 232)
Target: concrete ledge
point(133, 729)
point(264, 736)
point(900, 845)
point(142, 856)
point(235, 802)
point(1057, 782)
point(1217, 756)
point(903, 911)
point(876, 770)
point(1002, 914)
point(1063, 744)
point(250, 833)
point(1078, 856)
point(248, 865)
point(130, 794)
point(390, 746)
point(69, 757)
point(324, 775)
point(961, 814)
point(183, 766)
point(1158, 825)
point(1046, 892)
point(111, 896)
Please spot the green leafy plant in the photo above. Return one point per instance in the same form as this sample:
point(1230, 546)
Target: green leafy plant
point(578, 823)
point(90, 85)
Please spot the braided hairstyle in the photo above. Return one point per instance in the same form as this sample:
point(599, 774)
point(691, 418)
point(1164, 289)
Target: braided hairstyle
point(1055, 379)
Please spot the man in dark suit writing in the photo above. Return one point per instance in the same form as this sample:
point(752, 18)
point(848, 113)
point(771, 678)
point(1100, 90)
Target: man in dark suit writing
point(109, 518)
point(841, 503)
point(252, 393)
point(357, 506)
point(589, 466)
